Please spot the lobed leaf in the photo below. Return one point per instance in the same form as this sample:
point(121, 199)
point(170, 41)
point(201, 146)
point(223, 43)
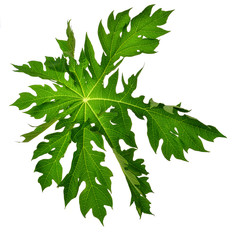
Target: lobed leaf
point(56, 146)
point(86, 167)
point(84, 111)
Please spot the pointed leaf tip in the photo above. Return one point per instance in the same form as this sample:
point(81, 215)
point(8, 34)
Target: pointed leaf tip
point(68, 46)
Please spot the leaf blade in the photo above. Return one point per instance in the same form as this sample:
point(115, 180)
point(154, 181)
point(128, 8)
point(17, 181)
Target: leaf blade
point(85, 111)
point(86, 167)
point(68, 46)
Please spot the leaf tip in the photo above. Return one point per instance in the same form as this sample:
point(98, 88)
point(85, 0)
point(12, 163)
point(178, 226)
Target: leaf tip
point(12, 104)
point(66, 202)
point(101, 221)
point(42, 187)
point(171, 11)
point(222, 136)
point(86, 36)
point(16, 67)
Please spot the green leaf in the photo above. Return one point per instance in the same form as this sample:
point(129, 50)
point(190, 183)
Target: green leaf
point(139, 187)
point(86, 113)
point(55, 71)
point(51, 168)
point(68, 46)
point(179, 132)
point(86, 166)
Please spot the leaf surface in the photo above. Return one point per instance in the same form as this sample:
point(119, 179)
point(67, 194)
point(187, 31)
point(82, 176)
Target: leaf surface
point(86, 166)
point(85, 113)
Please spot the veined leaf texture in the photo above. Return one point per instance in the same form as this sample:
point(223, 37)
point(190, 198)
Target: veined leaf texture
point(83, 110)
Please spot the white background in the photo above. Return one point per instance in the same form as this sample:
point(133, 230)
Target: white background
point(196, 64)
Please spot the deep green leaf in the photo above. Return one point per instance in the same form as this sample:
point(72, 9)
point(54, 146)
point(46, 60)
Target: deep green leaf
point(87, 113)
point(86, 166)
point(56, 146)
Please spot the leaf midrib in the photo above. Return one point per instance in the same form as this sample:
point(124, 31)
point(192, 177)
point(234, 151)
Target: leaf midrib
point(148, 110)
point(114, 149)
point(152, 116)
point(116, 52)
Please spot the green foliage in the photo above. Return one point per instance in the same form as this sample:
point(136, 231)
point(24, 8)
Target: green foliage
point(83, 110)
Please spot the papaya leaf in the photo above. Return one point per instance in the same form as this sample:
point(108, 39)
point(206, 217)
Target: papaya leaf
point(85, 113)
